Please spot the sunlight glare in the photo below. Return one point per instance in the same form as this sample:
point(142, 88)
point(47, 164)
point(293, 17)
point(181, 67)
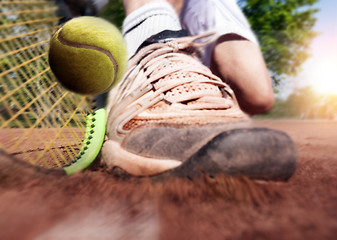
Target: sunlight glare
point(323, 77)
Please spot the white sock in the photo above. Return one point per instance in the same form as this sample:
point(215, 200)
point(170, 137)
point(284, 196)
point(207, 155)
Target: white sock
point(146, 21)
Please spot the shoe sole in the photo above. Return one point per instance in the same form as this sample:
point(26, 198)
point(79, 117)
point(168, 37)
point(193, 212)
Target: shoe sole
point(258, 153)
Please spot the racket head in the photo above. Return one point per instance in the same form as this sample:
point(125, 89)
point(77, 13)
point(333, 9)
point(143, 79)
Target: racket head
point(41, 122)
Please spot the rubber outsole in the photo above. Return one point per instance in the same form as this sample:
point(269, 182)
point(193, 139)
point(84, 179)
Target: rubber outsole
point(258, 153)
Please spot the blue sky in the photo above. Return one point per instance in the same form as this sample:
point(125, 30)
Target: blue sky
point(320, 70)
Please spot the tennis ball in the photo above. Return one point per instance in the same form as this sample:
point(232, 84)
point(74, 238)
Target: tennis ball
point(88, 55)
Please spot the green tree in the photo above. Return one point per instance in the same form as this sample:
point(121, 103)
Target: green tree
point(114, 12)
point(285, 30)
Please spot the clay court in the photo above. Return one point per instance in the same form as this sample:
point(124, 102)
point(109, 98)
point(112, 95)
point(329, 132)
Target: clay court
point(95, 204)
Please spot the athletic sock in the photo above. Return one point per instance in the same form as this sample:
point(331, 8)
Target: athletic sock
point(146, 21)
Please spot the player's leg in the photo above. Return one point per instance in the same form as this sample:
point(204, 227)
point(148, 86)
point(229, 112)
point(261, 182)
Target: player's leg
point(239, 63)
point(145, 18)
point(132, 5)
point(236, 56)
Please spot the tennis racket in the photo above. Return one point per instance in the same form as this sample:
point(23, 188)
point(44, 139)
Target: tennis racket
point(41, 122)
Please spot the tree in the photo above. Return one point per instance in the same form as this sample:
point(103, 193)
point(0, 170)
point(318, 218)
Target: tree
point(114, 12)
point(284, 29)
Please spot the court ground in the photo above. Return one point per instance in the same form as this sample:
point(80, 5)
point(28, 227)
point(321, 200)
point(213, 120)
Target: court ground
point(37, 204)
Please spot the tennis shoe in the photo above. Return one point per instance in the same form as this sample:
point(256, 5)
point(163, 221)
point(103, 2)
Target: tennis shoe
point(170, 115)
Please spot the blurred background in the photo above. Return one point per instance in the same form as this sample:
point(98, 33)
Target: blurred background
point(298, 39)
point(299, 42)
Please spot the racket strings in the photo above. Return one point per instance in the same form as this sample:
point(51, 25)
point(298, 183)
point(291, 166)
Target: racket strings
point(40, 121)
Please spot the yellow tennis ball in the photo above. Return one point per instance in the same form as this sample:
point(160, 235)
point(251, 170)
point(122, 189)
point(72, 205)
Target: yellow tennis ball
point(88, 55)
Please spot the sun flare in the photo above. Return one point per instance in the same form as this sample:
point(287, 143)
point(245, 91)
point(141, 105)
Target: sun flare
point(323, 77)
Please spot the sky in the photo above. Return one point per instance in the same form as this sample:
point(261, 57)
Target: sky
point(320, 70)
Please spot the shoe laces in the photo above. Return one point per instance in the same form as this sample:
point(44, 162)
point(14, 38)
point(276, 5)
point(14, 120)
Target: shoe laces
point(171, 73)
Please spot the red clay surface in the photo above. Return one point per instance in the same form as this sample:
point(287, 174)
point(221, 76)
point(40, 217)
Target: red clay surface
point(37, 204)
